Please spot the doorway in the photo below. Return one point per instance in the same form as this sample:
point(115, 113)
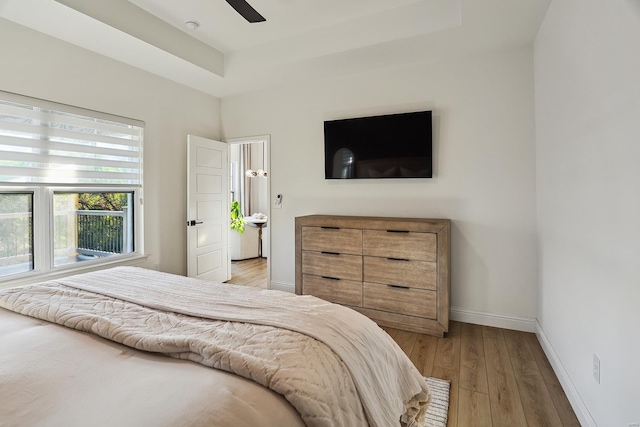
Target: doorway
point(249, 252)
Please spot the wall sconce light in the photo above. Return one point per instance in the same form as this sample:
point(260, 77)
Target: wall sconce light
point(250, 173)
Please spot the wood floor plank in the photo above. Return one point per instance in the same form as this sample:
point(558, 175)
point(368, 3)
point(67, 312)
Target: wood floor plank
point(522, 358)
point(506, 407)
point(250, 272)
point(563, 407)
point(492, 333)
point(536, 399)
point(453, 376)
point(474, 409)
point(448, 352)
point(473, 373)
point(389, 330)
point(424, 354)
point(405, 340)
point(541, 359)
point(560, 400)
point(537, 403)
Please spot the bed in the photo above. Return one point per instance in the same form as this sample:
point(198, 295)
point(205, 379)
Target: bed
point(92, 349)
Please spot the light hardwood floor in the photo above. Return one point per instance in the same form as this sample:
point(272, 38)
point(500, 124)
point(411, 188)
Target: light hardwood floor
point(498, 377)
point(249, 272)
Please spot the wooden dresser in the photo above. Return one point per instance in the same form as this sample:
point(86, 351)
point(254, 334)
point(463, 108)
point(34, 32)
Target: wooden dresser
point(396, 271)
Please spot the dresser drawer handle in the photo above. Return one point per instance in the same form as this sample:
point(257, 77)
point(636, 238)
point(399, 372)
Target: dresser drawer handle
point(398, 259)
point(330, 278)
point(330, 228)
point(398, 287)
point(330, 253)
point(397, 231)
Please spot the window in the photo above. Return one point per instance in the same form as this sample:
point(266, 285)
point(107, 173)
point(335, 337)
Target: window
point(90, 226)
point(70, 186)
point(16, 233)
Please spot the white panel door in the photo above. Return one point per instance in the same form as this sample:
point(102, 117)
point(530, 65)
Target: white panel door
point(207, 209)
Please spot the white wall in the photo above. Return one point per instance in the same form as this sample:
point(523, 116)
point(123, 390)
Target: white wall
point(484, 165)
point(43, 67)
point(587, 89)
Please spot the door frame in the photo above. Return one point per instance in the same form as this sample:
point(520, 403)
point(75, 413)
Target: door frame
point(266, 140)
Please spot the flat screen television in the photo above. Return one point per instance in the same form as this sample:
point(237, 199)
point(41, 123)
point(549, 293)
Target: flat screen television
point(389, 146)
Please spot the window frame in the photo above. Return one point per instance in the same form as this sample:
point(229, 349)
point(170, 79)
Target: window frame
point(43, 232)
point(137, 243)
point(43, 206)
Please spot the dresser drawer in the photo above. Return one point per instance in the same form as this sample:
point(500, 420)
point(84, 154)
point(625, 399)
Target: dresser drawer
point(408, 301)
point(346, 292)
point(331, 239)
point(399, 244)
point(391, 271)
point(337, 266)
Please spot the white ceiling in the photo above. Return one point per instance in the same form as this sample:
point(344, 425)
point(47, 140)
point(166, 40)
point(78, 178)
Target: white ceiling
point(223, 28)
point(300, 39)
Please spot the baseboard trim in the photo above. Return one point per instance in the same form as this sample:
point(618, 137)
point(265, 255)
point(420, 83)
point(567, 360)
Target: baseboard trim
point(578, 405)
point(524, 324)
point(280, 286)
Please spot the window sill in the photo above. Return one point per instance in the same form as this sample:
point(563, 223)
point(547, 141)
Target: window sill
point(35, 277)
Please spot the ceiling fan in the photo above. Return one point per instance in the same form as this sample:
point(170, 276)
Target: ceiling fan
point(247, 12)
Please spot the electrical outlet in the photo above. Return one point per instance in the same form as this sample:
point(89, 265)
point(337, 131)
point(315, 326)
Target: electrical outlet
point(596, 368)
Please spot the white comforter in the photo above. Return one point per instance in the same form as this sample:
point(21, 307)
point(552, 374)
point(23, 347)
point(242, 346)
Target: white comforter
point(343, 370)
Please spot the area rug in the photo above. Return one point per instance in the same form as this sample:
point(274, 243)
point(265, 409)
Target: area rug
point(437, 412)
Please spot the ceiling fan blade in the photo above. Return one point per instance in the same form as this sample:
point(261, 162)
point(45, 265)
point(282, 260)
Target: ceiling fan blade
point(247, 12)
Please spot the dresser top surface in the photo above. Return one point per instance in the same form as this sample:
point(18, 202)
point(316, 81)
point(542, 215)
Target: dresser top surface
point(369, 222)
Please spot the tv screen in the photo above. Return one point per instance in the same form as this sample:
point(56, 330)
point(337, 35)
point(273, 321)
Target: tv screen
point(390, 146)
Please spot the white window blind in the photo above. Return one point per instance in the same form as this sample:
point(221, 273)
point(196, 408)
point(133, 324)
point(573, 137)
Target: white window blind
point(48, 143)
